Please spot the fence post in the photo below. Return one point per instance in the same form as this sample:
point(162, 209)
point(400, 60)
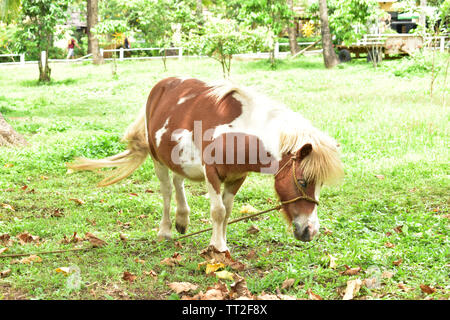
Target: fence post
point(277, 50)
point(442, 44)
point(101, 52)
point(22, 58)
point(180, 52)
point(121, 54)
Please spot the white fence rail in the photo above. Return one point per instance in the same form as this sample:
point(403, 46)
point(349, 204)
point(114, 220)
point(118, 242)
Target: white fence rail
point(435, 43)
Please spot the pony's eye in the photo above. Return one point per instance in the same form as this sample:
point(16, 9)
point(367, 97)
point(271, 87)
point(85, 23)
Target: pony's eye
point(302, 182)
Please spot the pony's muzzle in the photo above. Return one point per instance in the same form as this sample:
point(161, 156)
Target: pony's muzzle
point(304, 233)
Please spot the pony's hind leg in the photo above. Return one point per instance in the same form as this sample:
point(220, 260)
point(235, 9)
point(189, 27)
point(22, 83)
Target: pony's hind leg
point(182, 213)
point(165, 226)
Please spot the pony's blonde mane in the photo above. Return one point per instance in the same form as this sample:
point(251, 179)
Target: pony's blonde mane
point(322, 165)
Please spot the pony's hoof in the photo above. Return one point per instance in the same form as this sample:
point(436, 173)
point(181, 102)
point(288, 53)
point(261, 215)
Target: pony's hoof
point(164, 236)
point(181, 228)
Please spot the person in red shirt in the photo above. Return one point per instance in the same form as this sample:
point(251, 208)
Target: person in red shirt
point(70, 48)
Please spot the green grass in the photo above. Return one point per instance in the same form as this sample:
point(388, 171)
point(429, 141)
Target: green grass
point(386, 125)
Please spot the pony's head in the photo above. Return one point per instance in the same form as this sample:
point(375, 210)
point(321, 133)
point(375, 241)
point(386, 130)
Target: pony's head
point(302, 173)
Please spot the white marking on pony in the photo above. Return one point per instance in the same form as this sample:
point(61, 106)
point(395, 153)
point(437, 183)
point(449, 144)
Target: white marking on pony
point(311, 220)
point(186, 154)
point(183, 99)
point(160, 132)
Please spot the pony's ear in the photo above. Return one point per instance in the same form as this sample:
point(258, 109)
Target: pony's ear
point(304, 151)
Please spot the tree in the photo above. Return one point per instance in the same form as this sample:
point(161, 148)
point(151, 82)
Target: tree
point(292, 33)
point(92, 20)
point(9, 10)
point(272, 14)
point(329, 56)
point(221, 39)
point(8, 136)
point(38, 21)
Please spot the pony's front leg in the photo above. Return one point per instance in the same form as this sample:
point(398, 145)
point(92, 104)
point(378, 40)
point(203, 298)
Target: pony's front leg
point(229, 192)
point(218, 211)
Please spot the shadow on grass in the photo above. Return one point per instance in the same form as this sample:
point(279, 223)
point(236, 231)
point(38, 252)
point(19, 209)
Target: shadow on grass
point(36, 83)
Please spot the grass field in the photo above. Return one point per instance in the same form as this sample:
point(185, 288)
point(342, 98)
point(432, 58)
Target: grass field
point(394, 142)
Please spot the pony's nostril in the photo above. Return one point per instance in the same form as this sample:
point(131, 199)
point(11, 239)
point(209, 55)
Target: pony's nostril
point(303, 234)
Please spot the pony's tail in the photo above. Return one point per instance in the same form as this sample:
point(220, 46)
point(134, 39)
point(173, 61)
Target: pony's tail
point(125, 162)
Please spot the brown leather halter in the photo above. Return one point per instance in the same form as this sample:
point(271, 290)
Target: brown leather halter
point(303, 195)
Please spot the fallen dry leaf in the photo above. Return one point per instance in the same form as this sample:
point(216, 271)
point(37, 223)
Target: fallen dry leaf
point(327, 231)
point(213, 267)
point(180, 287)
point(387, 274)
point(239, 287)
point(151, 273)
point(253, 229)
point(5, 239)
point(78, 201)
point(64, 270)
point(128, 276)
point(96, 242)
point(2, 250)
point(379, 176)
point(350, 271)
point(57, 213)
point(5, 273)
point(133, 194)
point(352, 289)
point(8, 206)
point(213, 255)
point(267, 296)
point(8, 165)
point(312, 295)
point(427, 289)
point(26, 237)
point(32, 258)
point(371, 283)
point(251, 255)
point(137, 260)
point(402, 286)
point(389, 245)
point(73, 239)
point(123, 237)
point(224, 275)
point(172, 261)
point(218, 292)
point(398, 229)
point(287, 283)
point(397, 262)
point(333, 264)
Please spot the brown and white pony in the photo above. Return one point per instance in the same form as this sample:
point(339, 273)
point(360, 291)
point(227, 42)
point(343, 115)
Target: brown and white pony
point(218, 133)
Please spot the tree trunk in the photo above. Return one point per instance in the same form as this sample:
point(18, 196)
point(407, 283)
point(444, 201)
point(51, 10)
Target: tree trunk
point(329, 56)
point(8, 136)
point(422, 17)
point(292, 32)
point(199, 10)
point(92, 20)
